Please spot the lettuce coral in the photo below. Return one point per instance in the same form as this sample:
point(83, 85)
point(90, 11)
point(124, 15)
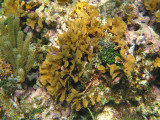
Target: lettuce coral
point(65, 67)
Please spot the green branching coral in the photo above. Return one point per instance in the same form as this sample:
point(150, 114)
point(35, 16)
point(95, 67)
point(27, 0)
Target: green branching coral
point(64, 67)
point(15, 49)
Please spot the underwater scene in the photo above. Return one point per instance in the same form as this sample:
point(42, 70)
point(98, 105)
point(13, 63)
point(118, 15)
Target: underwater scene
point(79, 59)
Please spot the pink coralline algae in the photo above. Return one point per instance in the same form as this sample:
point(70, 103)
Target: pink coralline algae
point(144, 37)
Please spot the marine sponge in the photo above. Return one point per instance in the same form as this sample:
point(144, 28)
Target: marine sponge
point(64, 72)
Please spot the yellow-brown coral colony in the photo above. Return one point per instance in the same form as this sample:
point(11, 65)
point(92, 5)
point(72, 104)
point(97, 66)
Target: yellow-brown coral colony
point(10, 7)
point(22, 9)
point(62, 1)
point(152, 5)
point(158, 16)
point(66, 65)
point(104, 55)
point(100, 55)
point(118, 29)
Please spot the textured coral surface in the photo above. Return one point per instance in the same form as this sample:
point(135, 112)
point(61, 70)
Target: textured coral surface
point(93, 59)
